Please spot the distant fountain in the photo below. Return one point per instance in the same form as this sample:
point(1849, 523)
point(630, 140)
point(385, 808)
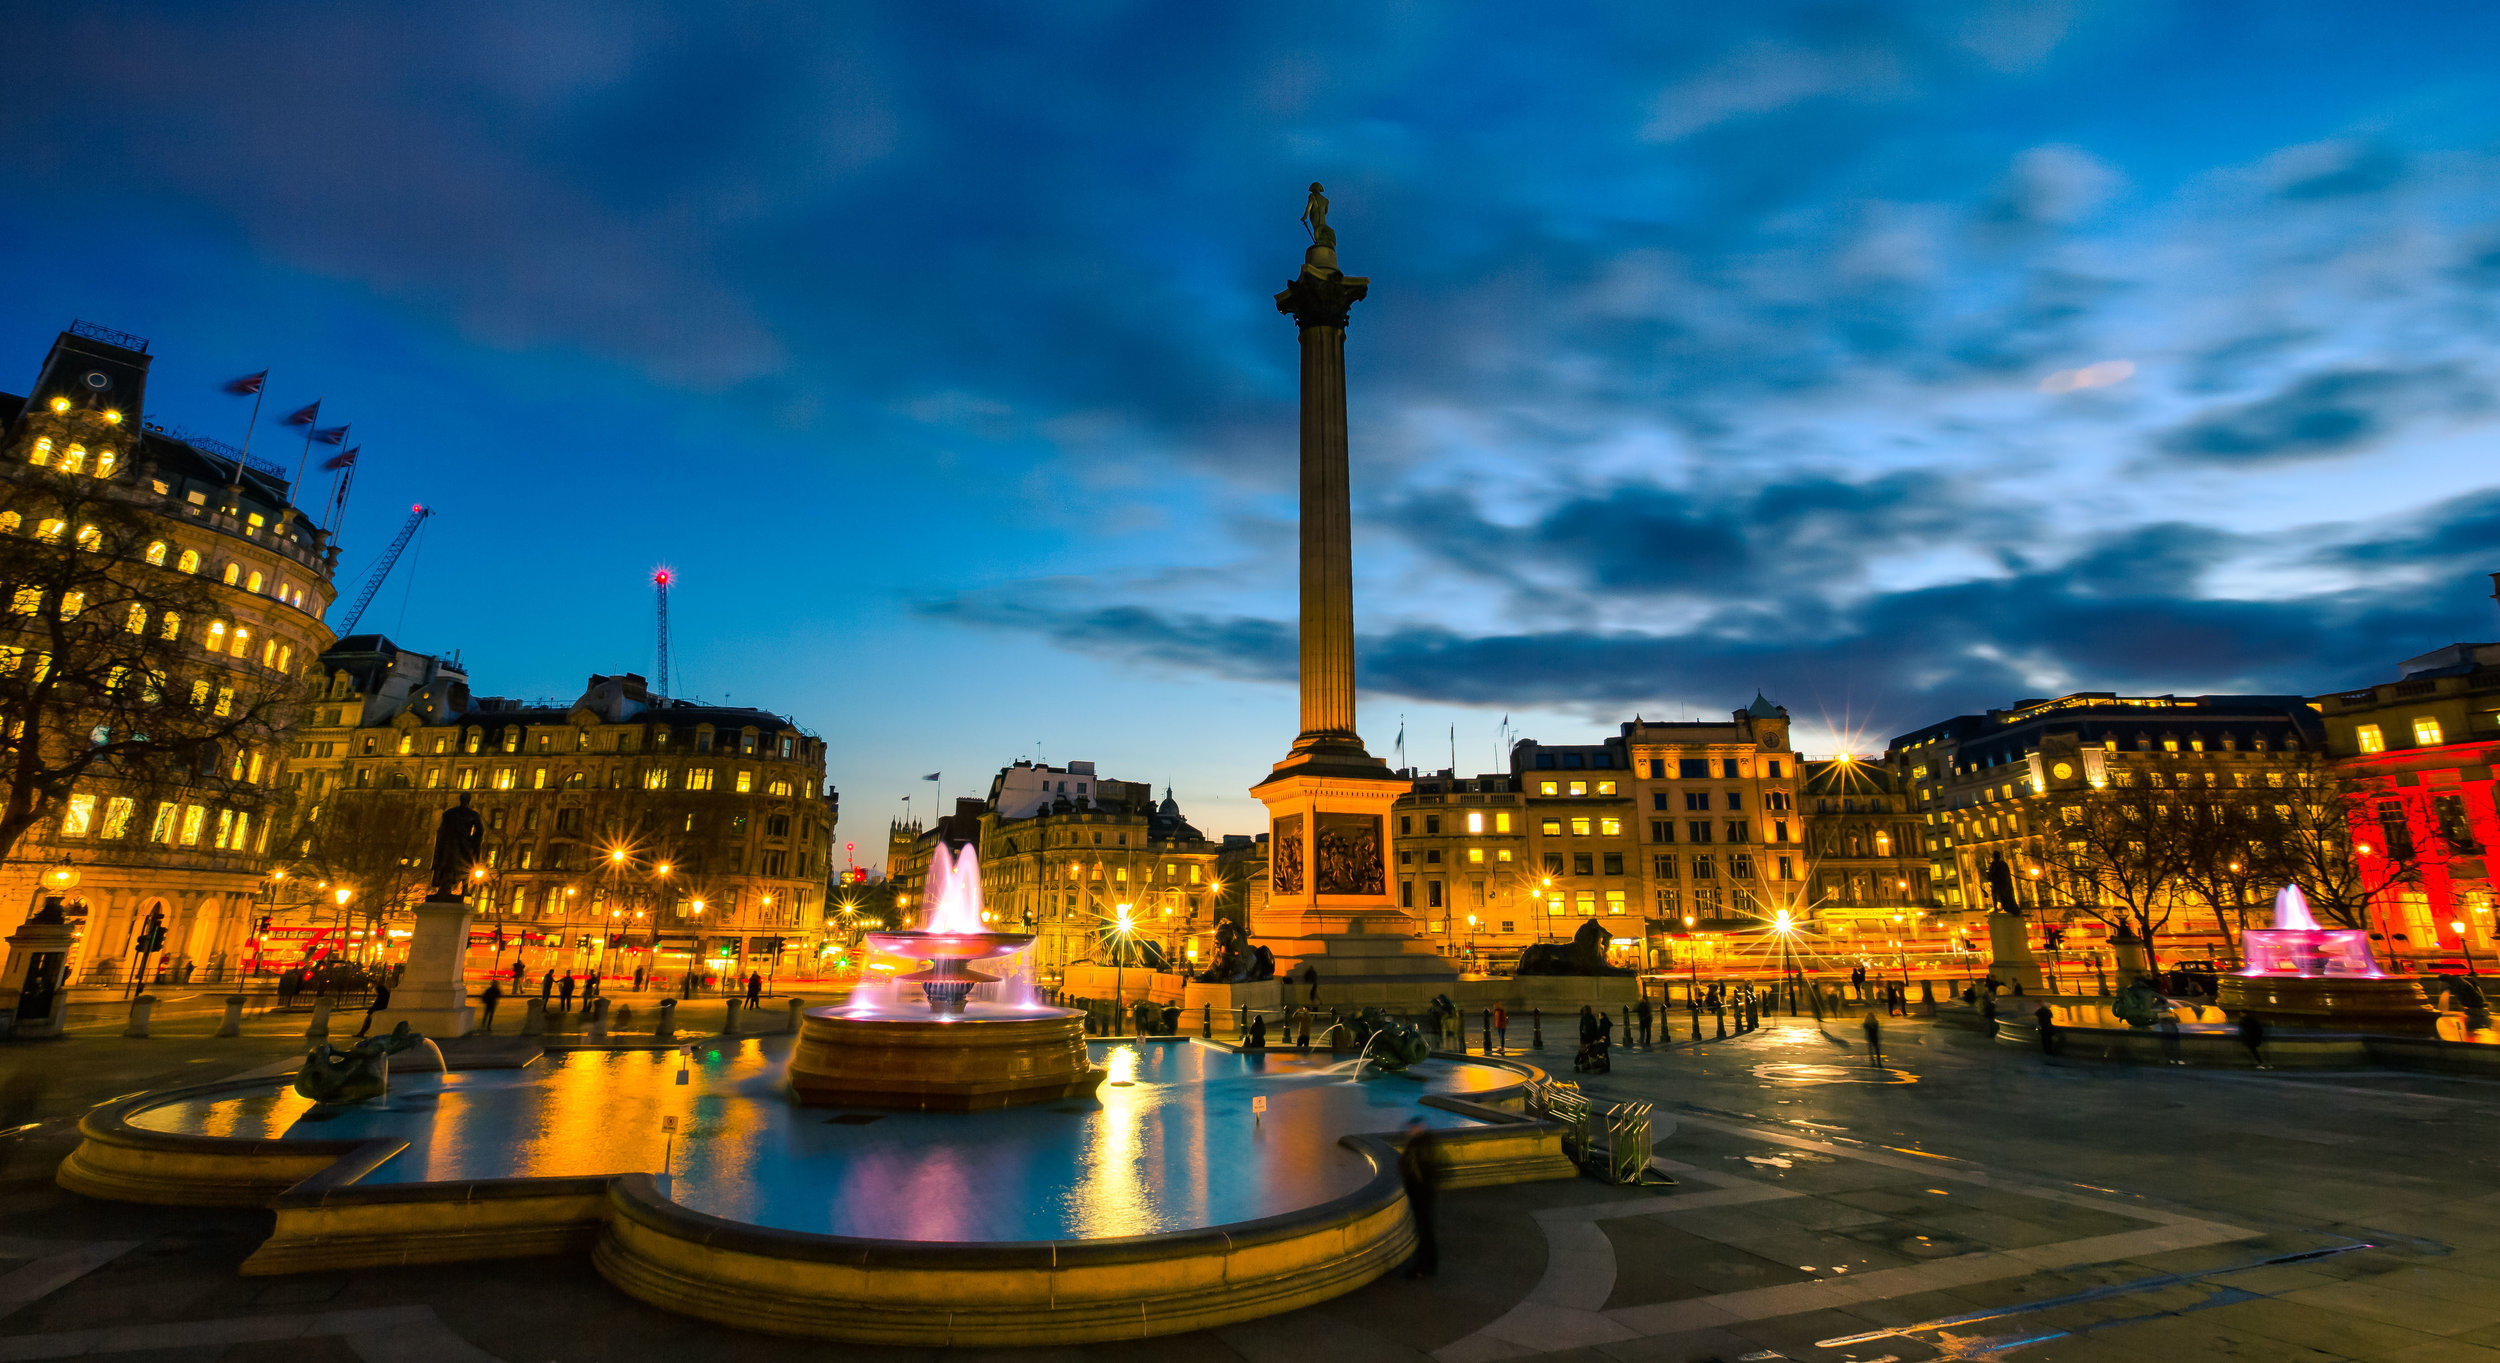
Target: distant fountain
point(2302, 975)
point(974, 1039)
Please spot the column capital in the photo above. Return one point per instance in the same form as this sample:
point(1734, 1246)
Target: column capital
point(1322, 298)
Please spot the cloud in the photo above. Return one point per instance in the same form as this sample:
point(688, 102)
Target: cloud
point(2320, 415)
point(2334, 169)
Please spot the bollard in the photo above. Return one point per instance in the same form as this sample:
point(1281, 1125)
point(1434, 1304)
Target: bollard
point(1720, 1014)
point(141, 1008)
point(667, 1030)
point(534, 1018)
point(1488, 1031)
point(729, 1017)
point(1536, 1027)
point(319, 1028)
point(798, 1014)
point(1696, 1019)
point(1206, 1020)
point(233, 1024)
point(595, 1025)
point(1242, 1028)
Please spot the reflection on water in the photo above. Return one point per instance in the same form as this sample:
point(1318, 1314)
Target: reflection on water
point(1176, 1146)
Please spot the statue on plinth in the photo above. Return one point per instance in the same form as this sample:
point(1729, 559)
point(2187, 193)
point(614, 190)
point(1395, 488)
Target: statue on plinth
point(457, 842)
point(2001, 885)
point(1315, 217)
point(1585, 954)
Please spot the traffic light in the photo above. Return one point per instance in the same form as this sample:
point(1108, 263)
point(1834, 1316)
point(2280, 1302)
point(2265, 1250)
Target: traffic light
point(152, 937)
point(264, 925)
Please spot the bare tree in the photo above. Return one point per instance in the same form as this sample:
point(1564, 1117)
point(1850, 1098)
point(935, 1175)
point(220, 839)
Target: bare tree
point(377, 845)
point(2221, 841)
point(2115, 854)
point(2339, 835)
point(105, 670)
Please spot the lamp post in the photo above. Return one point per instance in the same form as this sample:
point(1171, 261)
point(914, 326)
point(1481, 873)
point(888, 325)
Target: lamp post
point(1785, 927)
point(1119, 966)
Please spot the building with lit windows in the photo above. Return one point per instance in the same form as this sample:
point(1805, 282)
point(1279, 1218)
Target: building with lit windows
point(623, 830)
point(1722, 836)
point(1073, 869)
point(193, 853)
point(1991, 784)
point(1466, 869)
point(1870, 883)
point(2423, 746)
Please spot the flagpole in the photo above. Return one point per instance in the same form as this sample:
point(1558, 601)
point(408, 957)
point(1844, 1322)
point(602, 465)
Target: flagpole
point(250, 426)
point(295, 490)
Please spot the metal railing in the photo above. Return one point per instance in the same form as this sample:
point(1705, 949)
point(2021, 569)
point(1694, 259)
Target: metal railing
point(82, 327)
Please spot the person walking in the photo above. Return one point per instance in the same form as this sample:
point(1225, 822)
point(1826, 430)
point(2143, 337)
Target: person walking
point(638, 979)
point(685, 984)
point(2253, 1036)
point(590, 989)
point(516, 974)
point(1302, 1030)
point(547, 985)
point(2048, 1029)
point(1416, 1172)
point(381, 999)
point(564, 993)
point(492, 996)
point(1643, 1013)
point(1588, 1024)
point(1874, 1040)
point(1310, 979)
point(755, 988)
point(1501, 1030)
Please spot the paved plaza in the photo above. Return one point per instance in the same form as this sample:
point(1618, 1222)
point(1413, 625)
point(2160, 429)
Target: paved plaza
point(1967, 1199)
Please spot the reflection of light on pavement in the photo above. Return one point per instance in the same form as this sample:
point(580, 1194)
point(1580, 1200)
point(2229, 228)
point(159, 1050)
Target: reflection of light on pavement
point(1785, 1072)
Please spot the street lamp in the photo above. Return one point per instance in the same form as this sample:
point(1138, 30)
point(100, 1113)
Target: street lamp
point(1119, 963)
point(1785, 927)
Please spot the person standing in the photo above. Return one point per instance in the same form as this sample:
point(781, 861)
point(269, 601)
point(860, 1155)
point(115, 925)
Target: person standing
point(685, 984)
point(547, 985)
point(1501, 1030)
point(755, 988)
point(516, 973)
point(1416, 1172)
point(564, 993)
point(492, 996)
point(1258, 1032)
point(1310, 979)
point(2168, 1026)
point(381, 1000)
point(1643, 1013)
point(590, 988)
point(2253, 1036)
point(1874, 1040)
point(2048, 1029)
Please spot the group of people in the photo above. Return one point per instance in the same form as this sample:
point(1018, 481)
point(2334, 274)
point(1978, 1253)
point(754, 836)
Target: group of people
point(555, 992)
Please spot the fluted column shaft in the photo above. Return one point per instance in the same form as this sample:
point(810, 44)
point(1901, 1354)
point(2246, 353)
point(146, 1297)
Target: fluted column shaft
point(1327, 541)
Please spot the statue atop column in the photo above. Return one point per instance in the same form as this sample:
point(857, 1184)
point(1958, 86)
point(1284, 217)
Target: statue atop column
point(1315, 217)
point(457, 841)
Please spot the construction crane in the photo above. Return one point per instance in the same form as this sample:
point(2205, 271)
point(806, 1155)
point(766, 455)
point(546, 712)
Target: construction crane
point(382, 567)
point(660, 578)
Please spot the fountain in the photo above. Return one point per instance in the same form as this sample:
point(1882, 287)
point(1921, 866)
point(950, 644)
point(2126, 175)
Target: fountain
point(2302, 975)
point(952, 1052)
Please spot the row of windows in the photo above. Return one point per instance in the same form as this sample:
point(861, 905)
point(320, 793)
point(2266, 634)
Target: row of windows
point(1475, 856)
point(72, 459)
point(697, 779)
point(2374, 739)
point(173, 824)
point(509, 740)
point(1475, 821)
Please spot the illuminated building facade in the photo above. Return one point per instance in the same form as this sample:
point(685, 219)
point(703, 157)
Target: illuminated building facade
point(1871, 884)
point(194, 855)
point(625, 829)
point(1990, 785)
point(2423, 747)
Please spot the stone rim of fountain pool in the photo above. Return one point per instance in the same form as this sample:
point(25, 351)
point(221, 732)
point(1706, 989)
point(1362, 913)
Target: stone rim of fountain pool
point(861, 1289)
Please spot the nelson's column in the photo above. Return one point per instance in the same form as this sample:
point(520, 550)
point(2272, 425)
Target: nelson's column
point(1328, 903)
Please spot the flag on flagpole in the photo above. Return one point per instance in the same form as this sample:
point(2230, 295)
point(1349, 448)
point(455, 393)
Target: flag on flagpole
point(331, 435)
point(932, 776)
point(340, 461)
point(248, 385)
point(307, 416)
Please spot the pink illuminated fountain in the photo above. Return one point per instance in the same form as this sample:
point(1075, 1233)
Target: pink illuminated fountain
point(952, 936)
point(958, 1052)
point(2302, 975)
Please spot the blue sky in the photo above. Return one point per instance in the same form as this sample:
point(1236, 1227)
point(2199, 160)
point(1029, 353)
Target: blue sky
point(1895, 360)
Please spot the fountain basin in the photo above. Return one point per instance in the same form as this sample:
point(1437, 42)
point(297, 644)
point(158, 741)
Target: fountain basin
point(2331, 1003)
point(983, 1057)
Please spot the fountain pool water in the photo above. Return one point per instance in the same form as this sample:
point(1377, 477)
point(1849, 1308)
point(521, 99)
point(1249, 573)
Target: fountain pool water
point(1173, 1143)
point(2296, 945)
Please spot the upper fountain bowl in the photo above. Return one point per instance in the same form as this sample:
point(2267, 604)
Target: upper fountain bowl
point(949, 946)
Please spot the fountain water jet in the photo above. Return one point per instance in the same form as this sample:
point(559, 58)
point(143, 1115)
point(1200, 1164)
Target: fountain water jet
point(954, 1052)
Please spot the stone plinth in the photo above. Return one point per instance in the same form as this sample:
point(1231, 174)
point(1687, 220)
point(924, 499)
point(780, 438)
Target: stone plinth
point(433, 992)
point(2331, 1003)
point(32, 1002)
point(2010, 959)
point(956, 1064)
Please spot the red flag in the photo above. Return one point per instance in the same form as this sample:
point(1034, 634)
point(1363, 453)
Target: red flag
point(248, 385)
point(340, 461)
point(306, 416)
point(330, 435)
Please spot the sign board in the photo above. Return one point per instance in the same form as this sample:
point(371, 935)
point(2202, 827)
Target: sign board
point(669, 1125)
point(1258, 1105)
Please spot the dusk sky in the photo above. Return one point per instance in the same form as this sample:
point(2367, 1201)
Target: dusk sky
point(1895, 360)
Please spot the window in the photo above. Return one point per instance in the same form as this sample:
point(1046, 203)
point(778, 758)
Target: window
point(194, 819)
point(75, 461)
point(1736, 831)
point(468, 778)
point(1432, 857)
point(1432, 894)
point(1735, 800)
point(1788, 868)
point(2425, 732)
point(1475, 855)
point(1582, 864)
point(1662, 830)
point(1553, 863)
point(781, 790)
point(1732, 768)
point(117, 816)
point(41, 455)
point(1657, 769)
point(2368, 735)
point(1615, 901)
point(168, 817)
point(1771, 768)
point(1501, 854)
point(1697, 830)
point(1696, 801)
point(1614, 863)
point(504, 777)
point(699, 778)
point(1432, 824)
point(1612, 828)
point(1586, 902)
point(1501, 821)
point(73, 604)
point(1548, 788)
point(1406, 825)
point(1406, 894)
point(655, 779)
point(1605, 787)
point(1552, 828)
point(1579, 788)
point(1475, 823)
point(746, 782)
point(79, 817)
point(1579, 828)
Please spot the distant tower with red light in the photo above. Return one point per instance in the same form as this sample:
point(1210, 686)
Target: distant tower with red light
point(660, 578)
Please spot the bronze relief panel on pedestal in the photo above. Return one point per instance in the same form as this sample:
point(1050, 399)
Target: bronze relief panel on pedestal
point(1349, 854)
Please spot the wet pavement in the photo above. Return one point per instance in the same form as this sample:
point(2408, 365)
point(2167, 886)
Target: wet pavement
point(1965, 1199)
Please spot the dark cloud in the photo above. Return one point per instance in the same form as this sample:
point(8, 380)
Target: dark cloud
point(2335, 170)
point(2323, 414)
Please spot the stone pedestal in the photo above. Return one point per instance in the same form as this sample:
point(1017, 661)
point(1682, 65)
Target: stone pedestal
point(952, 1064)
point(2009, 953)
point(433, 993)
point(32, 1002)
